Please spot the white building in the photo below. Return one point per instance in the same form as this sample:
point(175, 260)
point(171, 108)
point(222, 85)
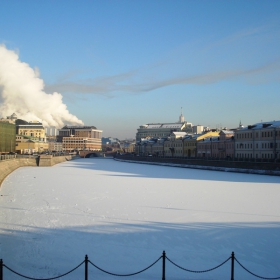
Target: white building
point(161, 130)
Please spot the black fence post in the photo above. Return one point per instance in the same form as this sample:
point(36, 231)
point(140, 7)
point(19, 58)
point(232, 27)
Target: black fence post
point(86, 267)
point(163, 265)
point(232, 266)
point(1, 269)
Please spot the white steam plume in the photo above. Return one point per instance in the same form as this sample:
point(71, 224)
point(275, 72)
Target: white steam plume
point(22, 92)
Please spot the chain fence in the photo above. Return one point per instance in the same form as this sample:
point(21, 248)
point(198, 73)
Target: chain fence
point(163, 257)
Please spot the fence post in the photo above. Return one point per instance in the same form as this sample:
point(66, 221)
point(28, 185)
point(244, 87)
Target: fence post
point(86, 267)
point(232, 266)
point(1, 269)
point(163, 265)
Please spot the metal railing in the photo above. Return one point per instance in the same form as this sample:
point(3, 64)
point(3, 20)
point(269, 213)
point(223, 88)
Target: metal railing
point(163, 257)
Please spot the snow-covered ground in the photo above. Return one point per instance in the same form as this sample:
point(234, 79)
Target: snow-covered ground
point(123, 215)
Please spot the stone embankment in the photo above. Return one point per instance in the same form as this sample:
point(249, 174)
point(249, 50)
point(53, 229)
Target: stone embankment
point(265, 168)
point(7, 166)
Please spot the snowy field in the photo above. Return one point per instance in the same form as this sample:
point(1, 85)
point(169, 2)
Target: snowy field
point(124, 215)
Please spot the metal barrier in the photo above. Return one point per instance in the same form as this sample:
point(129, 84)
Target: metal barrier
point(7, 157)
point(163, 257)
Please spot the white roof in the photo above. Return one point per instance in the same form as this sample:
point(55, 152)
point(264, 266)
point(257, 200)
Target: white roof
point(161, 125)
point(272, 124)
point(172, 125)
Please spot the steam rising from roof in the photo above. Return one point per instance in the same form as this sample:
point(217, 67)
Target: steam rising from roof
point(22, 92)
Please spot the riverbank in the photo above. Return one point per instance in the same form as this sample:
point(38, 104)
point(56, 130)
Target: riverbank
point(261, 168)
point(9, 165)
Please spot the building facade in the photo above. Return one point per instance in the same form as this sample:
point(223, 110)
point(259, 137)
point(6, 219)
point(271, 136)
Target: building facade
point(173, 147)
point(258, 141)
point(30, 137)
point(162, 130)
point(76, 138)
point(7, 137)
point(32, 130)
point(223, 146)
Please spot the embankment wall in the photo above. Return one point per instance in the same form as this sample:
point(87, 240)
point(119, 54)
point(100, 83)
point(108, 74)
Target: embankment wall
point(264, 168)
point(9, 165)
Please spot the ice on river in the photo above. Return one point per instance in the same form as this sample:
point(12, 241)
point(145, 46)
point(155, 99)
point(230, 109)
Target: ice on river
point(123, 215)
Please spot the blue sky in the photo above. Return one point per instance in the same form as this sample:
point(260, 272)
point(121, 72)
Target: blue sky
point(120, 64)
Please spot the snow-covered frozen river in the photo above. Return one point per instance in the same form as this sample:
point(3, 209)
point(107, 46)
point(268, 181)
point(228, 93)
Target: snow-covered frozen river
point(123, 216)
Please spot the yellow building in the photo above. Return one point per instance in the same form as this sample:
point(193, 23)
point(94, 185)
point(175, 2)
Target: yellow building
point(33, 130)
point(190, 142)
point(27, 146)
point(30, 138)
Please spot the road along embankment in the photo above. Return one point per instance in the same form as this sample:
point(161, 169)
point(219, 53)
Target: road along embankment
point(9, 165)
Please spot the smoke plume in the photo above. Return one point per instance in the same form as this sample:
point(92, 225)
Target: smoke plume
point(22, 92)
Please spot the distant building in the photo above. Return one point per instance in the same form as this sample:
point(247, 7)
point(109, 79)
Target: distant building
point(12, 118)
point(127, 146)
point(55, 146)
point(204, 144)
point(258, 141)
point(110, 141)
point(30, 137)
point(173, 146)
point(161, 130)
point(7, 136)
point(50, 131)
point(32, 130)
point(76, 138)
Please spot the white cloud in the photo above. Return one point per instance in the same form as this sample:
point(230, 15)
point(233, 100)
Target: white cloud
point(22, 92)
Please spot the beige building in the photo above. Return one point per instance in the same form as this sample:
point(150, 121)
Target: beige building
point(258, 141)
point(173, 146)
point(76, 138)
point(27, 146)
point(205, 142)
point(30, 137)
point(34, 130)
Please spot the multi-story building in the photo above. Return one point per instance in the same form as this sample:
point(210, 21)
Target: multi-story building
point(34, 130)
point(258, 141)
point(7, 136)
point(223, 146)
point(190, 145)
point(55, 146)
point(205, 143)
point(162, 130)
point(25, 145)
point(76, 138)
point(173, 147)
point(31, 137)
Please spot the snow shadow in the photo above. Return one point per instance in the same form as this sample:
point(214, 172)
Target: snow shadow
point(138, 170)
point(123, 248)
